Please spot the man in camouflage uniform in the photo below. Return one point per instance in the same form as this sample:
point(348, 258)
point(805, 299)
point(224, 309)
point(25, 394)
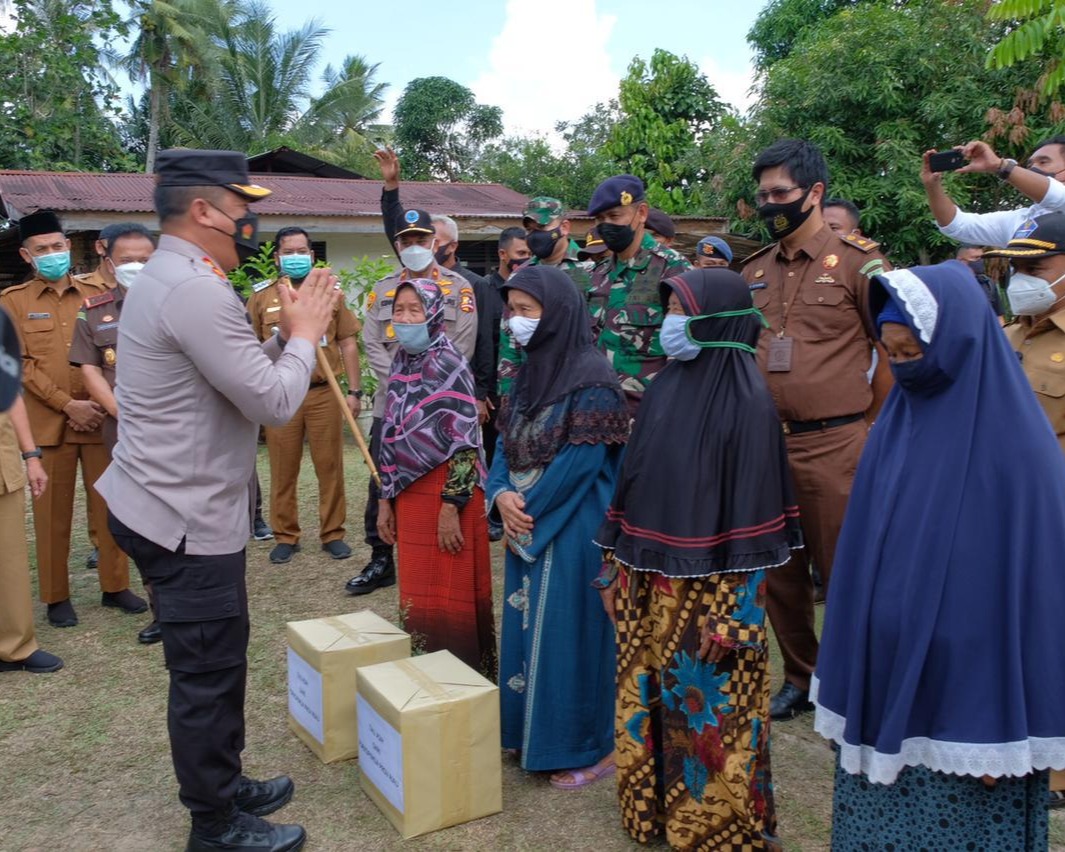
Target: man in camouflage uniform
point(413, 228)
point(547, 235)
point(623, 295)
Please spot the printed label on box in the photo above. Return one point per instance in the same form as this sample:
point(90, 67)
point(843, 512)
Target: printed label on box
point(380, 753)
point(305, 695)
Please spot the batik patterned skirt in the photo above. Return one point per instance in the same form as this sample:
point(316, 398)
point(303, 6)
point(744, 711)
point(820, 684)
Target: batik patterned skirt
point(936, 812)
point(693, 737)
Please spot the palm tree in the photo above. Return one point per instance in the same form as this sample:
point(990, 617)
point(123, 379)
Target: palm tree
point(172, 38)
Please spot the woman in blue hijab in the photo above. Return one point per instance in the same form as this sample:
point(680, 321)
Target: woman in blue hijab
point(941, 675)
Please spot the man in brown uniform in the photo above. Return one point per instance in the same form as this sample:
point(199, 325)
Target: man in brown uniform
point(812, 286)
point(18, 645)
point(63, 418)
point(1036, 292)
point(319, 418)
point(94, 349)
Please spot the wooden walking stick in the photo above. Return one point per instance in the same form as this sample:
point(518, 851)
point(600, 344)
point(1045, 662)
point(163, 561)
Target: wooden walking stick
point(327, 371)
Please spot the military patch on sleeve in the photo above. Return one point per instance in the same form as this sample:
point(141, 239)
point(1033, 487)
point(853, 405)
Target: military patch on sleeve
point(262, 285)
point(370, 300)
point(99, 299)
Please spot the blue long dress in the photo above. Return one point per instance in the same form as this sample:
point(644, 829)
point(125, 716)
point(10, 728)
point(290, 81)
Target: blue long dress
point(556, 674)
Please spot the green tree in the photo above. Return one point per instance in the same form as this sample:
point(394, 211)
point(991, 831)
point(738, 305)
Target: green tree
point(586, 158)
point(667, 106)
point(1036, 31)
point(171, 44)
point(782, 22)
point(526, 164)
point(875, 85)
point(57, 106)
point(440, 129)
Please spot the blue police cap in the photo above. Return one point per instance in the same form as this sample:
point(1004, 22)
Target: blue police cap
point(616, 191)
point(713, 247)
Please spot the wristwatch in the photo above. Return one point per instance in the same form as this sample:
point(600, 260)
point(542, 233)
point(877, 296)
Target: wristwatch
point(357, 393)
point(33, 454)
point(1006, 167)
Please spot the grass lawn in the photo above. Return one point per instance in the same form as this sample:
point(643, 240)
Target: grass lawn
point(85, 762)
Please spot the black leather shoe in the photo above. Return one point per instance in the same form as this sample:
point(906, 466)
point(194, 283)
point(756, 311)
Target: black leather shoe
point(260, 531)
point(337, 549)
point(282, 553)
point(247, 833)
point(260, 798)
point(125, 600)
point(151, 634)
point(39, 662)
point(93, 562)
point(62, 614)
point(379, 573)
point(789, 703)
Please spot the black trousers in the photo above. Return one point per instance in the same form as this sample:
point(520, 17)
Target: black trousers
point(370, 516)
point(202, 606)
point(489, 433)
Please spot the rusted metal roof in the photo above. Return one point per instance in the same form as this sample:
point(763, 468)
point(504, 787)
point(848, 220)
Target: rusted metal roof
point(23, 192)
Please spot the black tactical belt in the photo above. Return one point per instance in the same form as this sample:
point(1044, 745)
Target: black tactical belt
point(797, 427)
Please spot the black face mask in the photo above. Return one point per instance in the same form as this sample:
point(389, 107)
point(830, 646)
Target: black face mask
point(442, 254)
point(542, 243)
point(515, 262)
point(784, 219)
point(245, 235)
point(617, 238)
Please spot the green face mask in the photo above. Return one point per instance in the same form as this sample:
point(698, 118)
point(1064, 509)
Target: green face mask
point(296, 266)
point(54, 266)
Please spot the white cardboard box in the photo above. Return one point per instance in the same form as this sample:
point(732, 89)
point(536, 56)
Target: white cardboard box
point(323, 657)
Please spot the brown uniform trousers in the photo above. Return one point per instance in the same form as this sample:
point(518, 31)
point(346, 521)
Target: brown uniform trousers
point(16, 604)
point(1042, 350)
point(45, 315)
point(817, 300)
point(318, 419)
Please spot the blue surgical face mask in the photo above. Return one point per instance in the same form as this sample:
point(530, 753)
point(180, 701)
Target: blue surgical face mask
point(677, 341)
point(674, 338)
point(54, 266)
point(523, 328)
point(412, 336)
point(296, 266)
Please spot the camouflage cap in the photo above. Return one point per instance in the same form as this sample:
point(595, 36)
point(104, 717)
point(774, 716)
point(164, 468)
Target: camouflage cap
point(542, 210)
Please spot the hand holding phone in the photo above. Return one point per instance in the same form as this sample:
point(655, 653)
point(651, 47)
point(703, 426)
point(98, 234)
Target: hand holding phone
point(946, 161)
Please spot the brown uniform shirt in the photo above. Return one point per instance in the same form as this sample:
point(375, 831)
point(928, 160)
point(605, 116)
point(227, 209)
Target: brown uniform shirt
point(819, 300)
point(96, 343)
point(264, 308)
point(45, 314)
point(1042, 350)
point(95, 278)
point(12, 467)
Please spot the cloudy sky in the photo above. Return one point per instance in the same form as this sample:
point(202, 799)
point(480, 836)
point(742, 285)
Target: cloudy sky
point(541, 62)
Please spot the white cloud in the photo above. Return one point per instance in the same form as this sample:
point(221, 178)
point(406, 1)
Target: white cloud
point(544, 69)
point(733, 83)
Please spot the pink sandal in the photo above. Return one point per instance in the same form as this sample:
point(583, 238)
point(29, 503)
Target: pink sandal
point(583, 777)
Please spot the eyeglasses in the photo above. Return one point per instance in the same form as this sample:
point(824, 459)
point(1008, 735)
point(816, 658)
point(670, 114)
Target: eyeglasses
point(778, 194)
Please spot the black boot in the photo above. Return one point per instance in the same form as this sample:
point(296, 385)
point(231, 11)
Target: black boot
point(789, 703)
point(379, 572)
point(247, 833)
point(260, 798)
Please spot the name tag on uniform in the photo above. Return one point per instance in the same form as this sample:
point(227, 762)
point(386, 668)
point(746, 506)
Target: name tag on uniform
point(780, 355)
point(274, 308)
point(40, 316)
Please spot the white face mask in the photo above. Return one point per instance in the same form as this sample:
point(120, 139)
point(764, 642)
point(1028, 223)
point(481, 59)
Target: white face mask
point(523, 328)
point(126, 273)
point(1031, 296)
point(417, 258)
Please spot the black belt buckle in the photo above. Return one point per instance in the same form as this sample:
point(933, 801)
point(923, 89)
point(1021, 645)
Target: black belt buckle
point(798, 427)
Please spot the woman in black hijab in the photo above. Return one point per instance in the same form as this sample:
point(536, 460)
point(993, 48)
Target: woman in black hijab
point(704, 504)
point(561, 428)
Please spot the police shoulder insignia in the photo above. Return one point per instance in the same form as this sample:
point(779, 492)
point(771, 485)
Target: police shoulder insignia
point(370, 300)
point(262, 285)
point(862, 243)
point(466, 300)
point(99, 299)
point(213, 267)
